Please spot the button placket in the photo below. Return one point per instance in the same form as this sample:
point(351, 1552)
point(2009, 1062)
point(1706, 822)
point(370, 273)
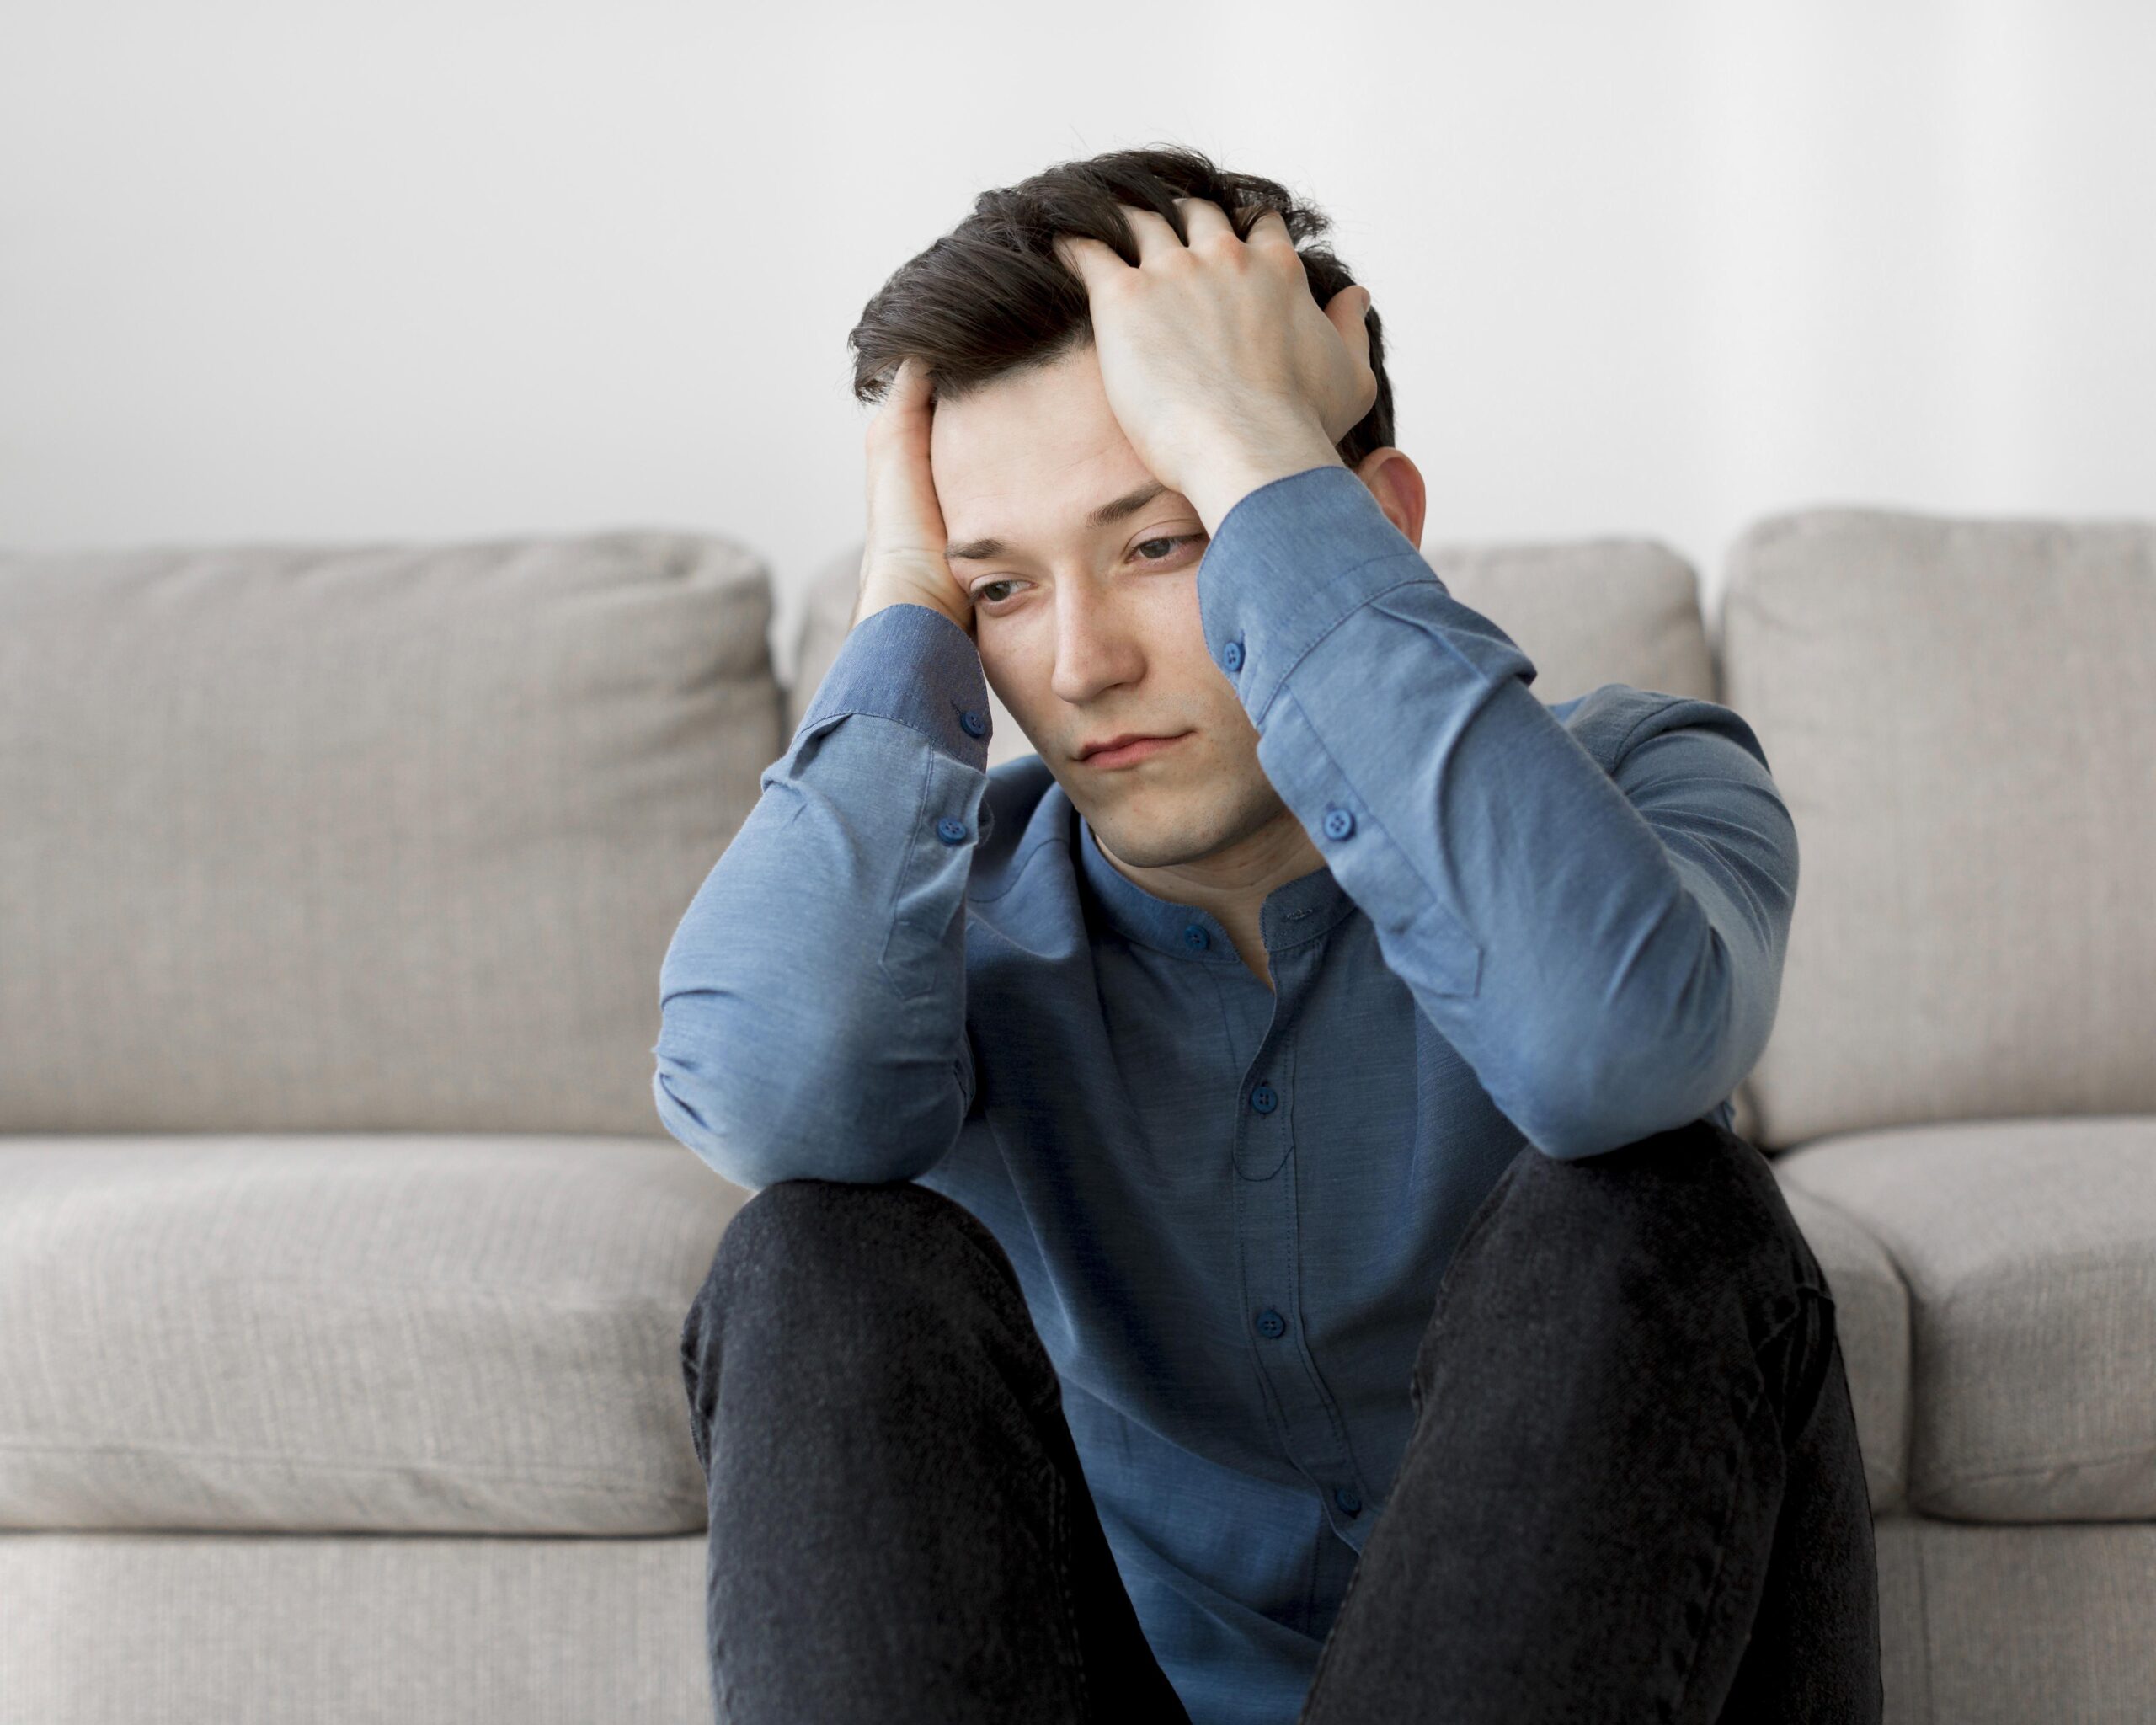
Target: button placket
point(1309, 1421)
point(1264, 1133)
point(1266, 1230)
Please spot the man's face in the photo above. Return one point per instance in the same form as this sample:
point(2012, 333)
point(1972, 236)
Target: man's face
point(1091, 632)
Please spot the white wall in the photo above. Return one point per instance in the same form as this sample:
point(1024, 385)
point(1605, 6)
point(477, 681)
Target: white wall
point(465, 267)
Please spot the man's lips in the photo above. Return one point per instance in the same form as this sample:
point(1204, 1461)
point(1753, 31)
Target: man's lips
point(1128, 753)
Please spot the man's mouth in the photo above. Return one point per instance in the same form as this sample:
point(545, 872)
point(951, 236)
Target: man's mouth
point(1127, 750)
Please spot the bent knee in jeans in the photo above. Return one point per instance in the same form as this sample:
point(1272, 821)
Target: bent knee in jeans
point(1697, 1196)
point(1685, 1231)
point(812, 1233)
point(873, 1272)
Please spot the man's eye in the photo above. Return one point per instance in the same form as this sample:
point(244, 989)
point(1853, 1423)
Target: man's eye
point(986, 593)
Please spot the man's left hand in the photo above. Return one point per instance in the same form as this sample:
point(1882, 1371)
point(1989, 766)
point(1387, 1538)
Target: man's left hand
point(1219, 363)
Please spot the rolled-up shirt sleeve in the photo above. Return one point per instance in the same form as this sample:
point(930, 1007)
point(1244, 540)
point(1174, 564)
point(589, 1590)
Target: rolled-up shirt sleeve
point(1604, 947)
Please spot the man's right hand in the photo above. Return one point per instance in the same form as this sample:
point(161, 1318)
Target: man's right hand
point(904, 561)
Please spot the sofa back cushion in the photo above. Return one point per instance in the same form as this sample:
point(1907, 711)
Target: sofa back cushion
point(1962, 715)
point(366, 837)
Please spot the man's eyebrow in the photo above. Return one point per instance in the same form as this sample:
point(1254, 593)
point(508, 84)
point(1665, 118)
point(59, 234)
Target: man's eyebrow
point(1106, 514)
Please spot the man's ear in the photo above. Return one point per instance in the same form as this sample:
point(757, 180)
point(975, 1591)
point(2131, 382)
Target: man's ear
point(1396, 483)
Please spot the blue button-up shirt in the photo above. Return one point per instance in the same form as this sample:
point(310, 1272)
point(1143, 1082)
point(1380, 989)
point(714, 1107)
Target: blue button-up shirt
point(1230, 1207)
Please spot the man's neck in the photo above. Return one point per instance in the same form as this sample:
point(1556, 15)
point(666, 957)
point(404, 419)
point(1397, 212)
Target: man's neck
point(1233, 888)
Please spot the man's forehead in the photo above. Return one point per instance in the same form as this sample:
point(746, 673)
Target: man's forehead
point(1095, 519)
point(1035, 456)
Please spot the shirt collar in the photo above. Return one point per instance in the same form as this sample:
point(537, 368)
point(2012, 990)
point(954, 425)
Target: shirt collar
point(1299, 911)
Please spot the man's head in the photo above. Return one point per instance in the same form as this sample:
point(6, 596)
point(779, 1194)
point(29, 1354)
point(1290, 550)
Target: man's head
point(1089, 629)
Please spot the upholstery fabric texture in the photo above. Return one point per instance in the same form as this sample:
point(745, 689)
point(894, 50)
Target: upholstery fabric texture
point(2029, 1251)
point(468, 1333)
point(362, 838)
point(1941, 702)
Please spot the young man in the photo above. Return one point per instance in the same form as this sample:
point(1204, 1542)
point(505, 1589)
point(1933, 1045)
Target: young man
point(1247, 1227)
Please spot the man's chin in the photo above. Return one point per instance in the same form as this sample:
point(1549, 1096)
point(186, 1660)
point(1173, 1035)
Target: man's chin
point(1164, 843)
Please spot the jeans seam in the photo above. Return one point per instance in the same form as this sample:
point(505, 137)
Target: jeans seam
point(1743, 1423)
point(1714, 1586)
point(1062, 1545)
point(1325, 1650)
point(694, 1381)
point(1797, 1311)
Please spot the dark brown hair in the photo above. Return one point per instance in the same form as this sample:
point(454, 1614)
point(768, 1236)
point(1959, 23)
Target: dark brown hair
point(992, 297)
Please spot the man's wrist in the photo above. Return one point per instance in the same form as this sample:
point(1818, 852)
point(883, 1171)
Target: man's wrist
point(870, 602)
point(1231, 474)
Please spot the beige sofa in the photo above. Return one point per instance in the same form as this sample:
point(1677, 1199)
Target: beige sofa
point(343, 1257)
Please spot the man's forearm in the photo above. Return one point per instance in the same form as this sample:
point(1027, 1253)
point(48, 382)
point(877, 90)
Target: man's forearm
point(813, 998)
point(1600, 934)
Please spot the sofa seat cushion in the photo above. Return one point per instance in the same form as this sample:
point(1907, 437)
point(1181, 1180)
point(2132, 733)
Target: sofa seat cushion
point(1871, 1316)
point(2029, 1250)
point(408, 1333)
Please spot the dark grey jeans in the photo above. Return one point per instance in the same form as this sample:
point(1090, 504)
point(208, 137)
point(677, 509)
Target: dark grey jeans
point(1633, 1491)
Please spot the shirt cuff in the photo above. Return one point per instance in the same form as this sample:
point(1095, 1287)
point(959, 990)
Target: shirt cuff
point(1293, 560)
point(912, 664)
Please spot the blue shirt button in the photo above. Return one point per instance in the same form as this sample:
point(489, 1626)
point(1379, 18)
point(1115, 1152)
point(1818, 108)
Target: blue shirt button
point(974, 723)
point(1231, 655)
point(949, 831)
point(1345, 1497)
point(1265, 1098)
point(1338, 822)
point(1271, 1323)
point(1196, 939)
